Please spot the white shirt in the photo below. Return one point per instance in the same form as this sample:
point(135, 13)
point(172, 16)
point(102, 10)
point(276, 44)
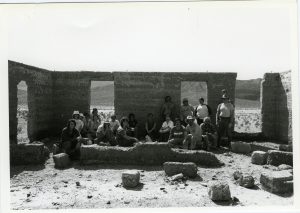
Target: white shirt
point(202, 111)
point(114, 125)
point(226, 110)
point(79, 124)
point(166, 124)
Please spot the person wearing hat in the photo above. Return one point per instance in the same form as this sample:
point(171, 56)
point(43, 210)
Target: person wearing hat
point(194, 134)
point(202, 111)
point(225, 120)
point(185, 110)
point(79, 123)
point(177, 135)
point(105, 135)
point(166, 129)
point(122, 138)
point(209, 134)
point(114, 123)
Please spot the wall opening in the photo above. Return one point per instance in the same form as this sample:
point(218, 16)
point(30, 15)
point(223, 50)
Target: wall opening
point(22, 112)
point(102, 98)
point(193, 90)
point(248, 106)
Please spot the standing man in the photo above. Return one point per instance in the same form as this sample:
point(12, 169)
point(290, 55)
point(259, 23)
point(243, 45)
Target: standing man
point(225, 120)
point(168, 108)
point(202, 111)
point(185, 110)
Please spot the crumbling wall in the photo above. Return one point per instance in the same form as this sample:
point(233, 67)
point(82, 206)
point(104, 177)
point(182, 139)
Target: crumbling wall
point(142, 93)
point(276, 107)
point(39, 88)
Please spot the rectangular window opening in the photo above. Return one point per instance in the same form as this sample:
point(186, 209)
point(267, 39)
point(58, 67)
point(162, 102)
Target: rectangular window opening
point(193, 91)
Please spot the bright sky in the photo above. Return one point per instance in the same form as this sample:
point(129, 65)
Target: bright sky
point(250, 40)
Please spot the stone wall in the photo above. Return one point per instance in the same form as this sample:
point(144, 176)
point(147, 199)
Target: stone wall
point(39, 85)
point(52, 96)
point(276, 107)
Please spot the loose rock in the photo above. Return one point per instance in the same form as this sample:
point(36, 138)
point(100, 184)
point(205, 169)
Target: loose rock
point(130, 178)
point(284, 167)
point(219, 191)
point(177, 177)
point(247, 181)
point(237, 175)
point(61, 160)
point(187, 169)
point(240, 147)
point(259, 157)
point(277, 182)
point(276, 158)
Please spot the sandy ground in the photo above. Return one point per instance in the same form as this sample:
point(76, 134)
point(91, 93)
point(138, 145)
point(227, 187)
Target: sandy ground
point(44, 187)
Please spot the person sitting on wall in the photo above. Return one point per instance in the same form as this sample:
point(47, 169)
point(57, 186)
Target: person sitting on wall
point(150, 127)
point(132, 125)
point(96, 121)
point(225, 121)
point(122, 138)
point(70, 141)
point(194, 134)
point(185, 110)
point(209, 134)
point(105, 135)
point(114, 124)
point(177, 135)
point(166, 129)
point(79, 123)
point(202, 111)
point(168, 108)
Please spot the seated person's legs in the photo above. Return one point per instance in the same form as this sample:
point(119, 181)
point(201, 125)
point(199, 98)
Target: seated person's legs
point(187, 141)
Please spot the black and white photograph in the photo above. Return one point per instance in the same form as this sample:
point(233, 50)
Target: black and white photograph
point(135, 105)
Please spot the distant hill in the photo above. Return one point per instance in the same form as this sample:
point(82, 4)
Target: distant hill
point(247, 93)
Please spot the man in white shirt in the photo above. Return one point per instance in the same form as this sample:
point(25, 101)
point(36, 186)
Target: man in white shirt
point(114, 123)
point(194, 134)
point(79, 123)
point(202, 111)
point(165, 129)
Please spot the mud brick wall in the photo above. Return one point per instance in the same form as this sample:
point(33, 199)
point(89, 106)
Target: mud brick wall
point(39, 86)
point(142, 93)
point(72, 91)
point(276, 107)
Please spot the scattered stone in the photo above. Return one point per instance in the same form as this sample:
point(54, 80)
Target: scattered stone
point(162, 188)
point(277, 182)
point(235, 199)
point(77, 183)
point(28, 194)
point(61, 160)
point(204, 184)
point(65, 181)
point(218, 191)
point(276, 158)
point(89, 196)
point(187, 169)
point(227, 154)
point(214, 177)
point(118, 185)
point(231, 161)
point(237, 175)
point(259, 157)
point(126, 202)
point(108, 202)
point(284, 167)
point(247, 181)
point(240, 147)
point(177, 177)
point(65, 185)
point(130, 178)
point(286, 148)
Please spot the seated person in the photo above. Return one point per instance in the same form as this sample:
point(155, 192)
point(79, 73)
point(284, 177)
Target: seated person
point(105, 135)
point(209, 134)
point(177, 134)
point(122, 138)
point(114, 124)
point(194, 134)
point(132, 125)
point(79, 123)
point(166, 129)
point(70, 141)
point(150, 127)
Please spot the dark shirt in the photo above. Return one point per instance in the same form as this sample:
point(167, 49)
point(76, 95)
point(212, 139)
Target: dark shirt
point(177, 133)
point(207, 128)
point(132, 123)
point(67, 136)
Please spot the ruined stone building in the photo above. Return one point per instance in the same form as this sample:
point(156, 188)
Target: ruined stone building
point(53, 95)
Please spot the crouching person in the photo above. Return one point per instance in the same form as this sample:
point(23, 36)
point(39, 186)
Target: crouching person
point(105, 135)
point(177, 135)
point(194, 135)
point(209, 134)
point(122, 138)
point(70, 141)
point(166, 129)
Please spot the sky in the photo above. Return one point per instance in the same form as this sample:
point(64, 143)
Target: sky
point(173, 37)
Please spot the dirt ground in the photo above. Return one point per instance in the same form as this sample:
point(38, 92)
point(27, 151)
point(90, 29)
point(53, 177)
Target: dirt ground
point(44, 187)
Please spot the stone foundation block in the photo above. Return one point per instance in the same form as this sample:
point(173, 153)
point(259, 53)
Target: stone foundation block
point(27, 153)
point(259, 157)
point(187, 169)
point(277, 182)
point(284, 167)
point(130, 178)
point(286, 148)
point(246, 181)
point(61, 160)
point(276, 158)
point(219, 191)
point(240, 147)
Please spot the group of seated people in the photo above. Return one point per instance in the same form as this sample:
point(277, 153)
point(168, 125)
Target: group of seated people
point(193, 129)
